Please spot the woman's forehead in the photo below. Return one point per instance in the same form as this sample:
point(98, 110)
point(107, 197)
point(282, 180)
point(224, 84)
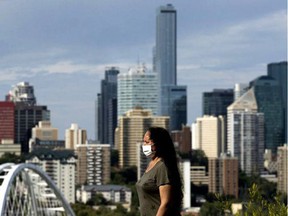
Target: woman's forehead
point(147, 135)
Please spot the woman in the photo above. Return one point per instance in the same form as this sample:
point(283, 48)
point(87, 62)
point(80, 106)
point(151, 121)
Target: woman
point(160, 187)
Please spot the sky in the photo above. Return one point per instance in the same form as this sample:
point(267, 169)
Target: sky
point(62, 48)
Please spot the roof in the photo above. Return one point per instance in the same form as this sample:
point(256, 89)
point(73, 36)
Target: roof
point(105, 188)
point(246, 102)
point(48, 154)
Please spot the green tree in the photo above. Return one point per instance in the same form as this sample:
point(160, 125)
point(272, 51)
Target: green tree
point(11, 158)
point(198, 158)
point(258, 205)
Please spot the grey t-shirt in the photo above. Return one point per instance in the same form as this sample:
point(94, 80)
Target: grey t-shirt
point(148, 189)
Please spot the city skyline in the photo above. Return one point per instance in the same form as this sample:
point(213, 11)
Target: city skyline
point(49, 46)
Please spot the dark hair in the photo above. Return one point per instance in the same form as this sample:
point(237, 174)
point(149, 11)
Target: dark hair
point(165, 149)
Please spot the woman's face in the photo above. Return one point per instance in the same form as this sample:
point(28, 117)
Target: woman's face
point(148, 141)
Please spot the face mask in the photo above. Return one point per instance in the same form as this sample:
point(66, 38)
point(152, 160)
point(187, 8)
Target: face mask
point(147, 150)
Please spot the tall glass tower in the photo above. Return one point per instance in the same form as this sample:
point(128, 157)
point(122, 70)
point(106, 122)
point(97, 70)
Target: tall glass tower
point(106, 107)
point(137, 88)
point(279, 72)
point(172, 98)
point(166, 53)
point(268, 97)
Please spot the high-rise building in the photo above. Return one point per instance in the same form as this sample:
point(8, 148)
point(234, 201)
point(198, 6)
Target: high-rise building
point(130, 131)
point(137, 88)
point(269, 101)
point(45, 136)
point(27, 113)
point(223, 175)
point(22, 92)
point(7, 130)
point(172, 98)
point(106, 107)
point(44, 131)
point(60, 165)
point(26, 117)
point(177, 106)
point(279, 72)
point(74, 135)
point(282, 160)
point(93, 164)
point(216, 102)
point(245, 133)
point(166, 45)
point(209, 135)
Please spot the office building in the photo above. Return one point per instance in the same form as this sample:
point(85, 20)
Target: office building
point(93, 164)
point(45, 136)
point(245, 133)
point(7, 130)
point(106, 107)
point(269, 101)
point(215, 103)
point(137, 88)
point(209, 135)
point(223, 175)
point(27, 113)
point(279, 72)
point(44, 131)
point(130, 131)
point(75, 135)
point(166, 45)
point(282, 172)
point(26, 117)
point(172, 98)
point(22, 92)
point(177, 106)
point(60, 166)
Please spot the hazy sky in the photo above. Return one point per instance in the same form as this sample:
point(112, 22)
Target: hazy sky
point(62, 47)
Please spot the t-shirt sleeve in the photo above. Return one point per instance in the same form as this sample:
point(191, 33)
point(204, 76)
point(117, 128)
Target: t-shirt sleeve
point(162, 175)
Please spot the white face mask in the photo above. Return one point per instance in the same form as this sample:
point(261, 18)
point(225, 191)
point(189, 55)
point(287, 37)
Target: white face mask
point(147, 150)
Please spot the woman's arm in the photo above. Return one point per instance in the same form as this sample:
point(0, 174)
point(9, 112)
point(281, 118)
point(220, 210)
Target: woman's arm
point(165, 197)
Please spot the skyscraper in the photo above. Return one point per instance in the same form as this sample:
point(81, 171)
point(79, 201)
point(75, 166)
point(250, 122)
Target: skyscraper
point(22, 92)
point(269, 101)
point(216, 102)
point(137, 88)
point(27, 113)
point(106, 107)
point(279, 72)
point(245, 133)
point(166, 45)
point(172, 98)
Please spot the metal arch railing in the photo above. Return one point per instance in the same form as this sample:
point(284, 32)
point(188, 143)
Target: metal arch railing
point(9, 171)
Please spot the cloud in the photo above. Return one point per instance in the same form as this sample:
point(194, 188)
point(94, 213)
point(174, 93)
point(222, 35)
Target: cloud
point(235, 44)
